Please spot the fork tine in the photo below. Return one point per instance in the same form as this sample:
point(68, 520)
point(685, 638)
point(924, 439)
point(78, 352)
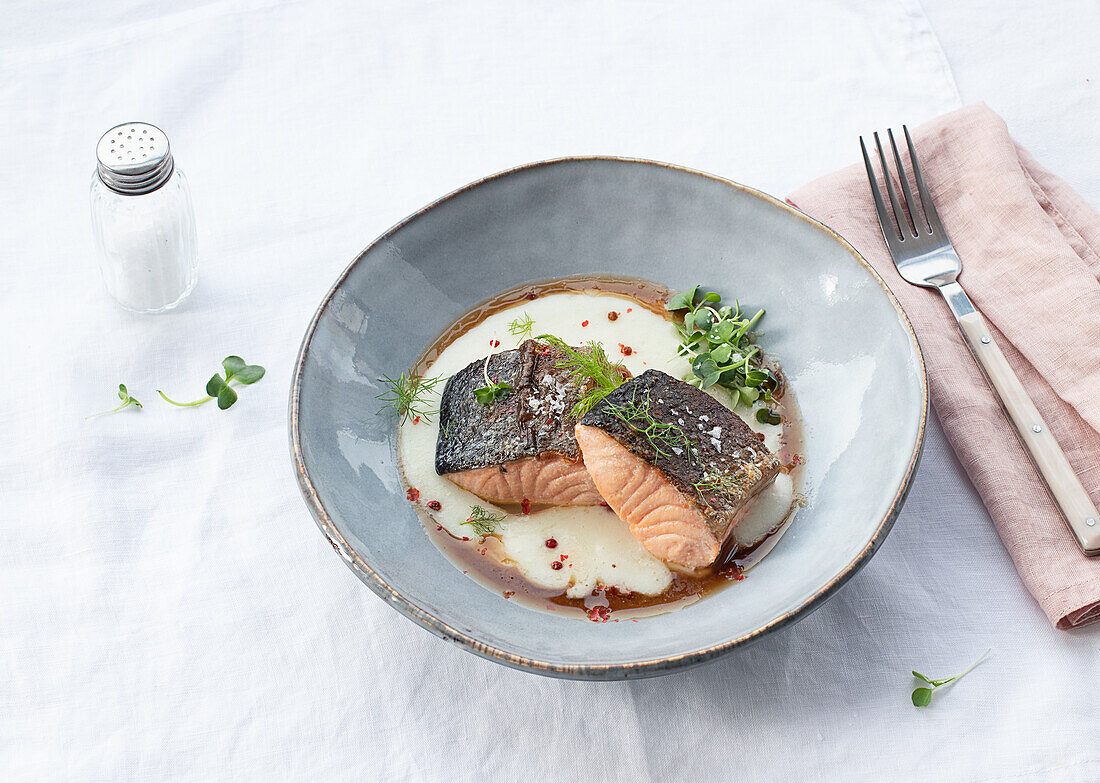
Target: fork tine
point(930, 214)
point(884, 219)
point(906, 193)
point(899, 216)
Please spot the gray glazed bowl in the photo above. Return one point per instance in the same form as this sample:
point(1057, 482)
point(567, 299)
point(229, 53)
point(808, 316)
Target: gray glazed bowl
point(847, 348)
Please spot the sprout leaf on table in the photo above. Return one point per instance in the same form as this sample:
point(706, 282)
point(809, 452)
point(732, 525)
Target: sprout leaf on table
point(127, 401)
point(922, 696)
point(219, 388)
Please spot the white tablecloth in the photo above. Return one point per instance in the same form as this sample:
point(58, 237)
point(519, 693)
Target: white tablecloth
point(168, 608)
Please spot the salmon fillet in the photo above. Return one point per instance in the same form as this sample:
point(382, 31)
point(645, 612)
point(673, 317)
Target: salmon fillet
point(521, 446)
point(544, 479)
point(675, 464)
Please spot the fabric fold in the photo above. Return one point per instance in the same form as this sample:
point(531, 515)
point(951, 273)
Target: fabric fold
point(1029, 247)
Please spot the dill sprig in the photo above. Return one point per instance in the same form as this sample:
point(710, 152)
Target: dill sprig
point(732, 485)
point(521, 327)
point(483, 522)
point(723, 484)
point(666, 438)
point(407, 396)
point(590, 369)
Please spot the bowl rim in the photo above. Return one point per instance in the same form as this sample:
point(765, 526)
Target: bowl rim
point(599, 671)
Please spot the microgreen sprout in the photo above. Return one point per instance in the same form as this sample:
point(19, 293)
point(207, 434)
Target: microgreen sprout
point(127, 401)
point(406, 395)
point(719, 338)
point(218, 388)
point(521, 327)
point(590, 369)
point(483, 522)
point(491, 390)
point(922, 696)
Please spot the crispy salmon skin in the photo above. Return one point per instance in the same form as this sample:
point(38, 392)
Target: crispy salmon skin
point(674, 463)
point(520, 446)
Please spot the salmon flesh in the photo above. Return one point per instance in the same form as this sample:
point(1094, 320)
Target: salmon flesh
point(678, 466)
point(520, 446)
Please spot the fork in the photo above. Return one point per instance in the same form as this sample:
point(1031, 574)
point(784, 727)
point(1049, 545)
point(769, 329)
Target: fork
point(924, 256)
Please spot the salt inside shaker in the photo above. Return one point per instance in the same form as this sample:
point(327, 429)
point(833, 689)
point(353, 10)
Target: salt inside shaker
point(142, 219)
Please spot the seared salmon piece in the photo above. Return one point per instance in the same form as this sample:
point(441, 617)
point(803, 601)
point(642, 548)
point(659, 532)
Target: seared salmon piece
point(675, 464)
point(521, 446)
point(549, 478)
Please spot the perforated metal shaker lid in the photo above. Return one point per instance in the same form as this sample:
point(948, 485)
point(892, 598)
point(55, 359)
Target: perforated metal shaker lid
point(134, 158)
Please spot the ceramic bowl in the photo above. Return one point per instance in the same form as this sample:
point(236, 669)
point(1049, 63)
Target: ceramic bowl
point(846, 346)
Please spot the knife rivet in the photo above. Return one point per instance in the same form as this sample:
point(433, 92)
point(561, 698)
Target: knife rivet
point(986, 339)
point(1036, 428)
point(1090, 522)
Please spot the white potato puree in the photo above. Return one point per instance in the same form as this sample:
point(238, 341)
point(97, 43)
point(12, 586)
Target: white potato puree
point(600, 548)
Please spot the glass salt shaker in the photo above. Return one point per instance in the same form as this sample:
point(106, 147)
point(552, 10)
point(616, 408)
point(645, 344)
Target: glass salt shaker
point(142, 219)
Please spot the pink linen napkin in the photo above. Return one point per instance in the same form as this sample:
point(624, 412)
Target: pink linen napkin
point(1030, 249)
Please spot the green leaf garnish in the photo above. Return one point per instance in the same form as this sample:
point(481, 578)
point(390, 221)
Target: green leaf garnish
point(922, 696)
point(492, 390)
point(590, 369)
point(719, 338)
point(767, 416)
point(521, 327)
point(226, 396)
point(237, 370)
point(407, 396)
point(217, 388)
point(249, 374)
point(683, 300)
point(214, 385)
point(483, 522)
point(127, 401)
point(487, 394)
point(233, 364)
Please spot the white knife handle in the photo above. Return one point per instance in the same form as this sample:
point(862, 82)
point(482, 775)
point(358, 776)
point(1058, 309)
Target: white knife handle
point(1049, 459)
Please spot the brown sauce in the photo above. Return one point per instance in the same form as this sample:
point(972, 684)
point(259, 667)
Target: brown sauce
point(484, 559)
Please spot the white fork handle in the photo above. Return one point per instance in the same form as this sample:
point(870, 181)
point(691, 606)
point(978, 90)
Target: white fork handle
point(1049, 459)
